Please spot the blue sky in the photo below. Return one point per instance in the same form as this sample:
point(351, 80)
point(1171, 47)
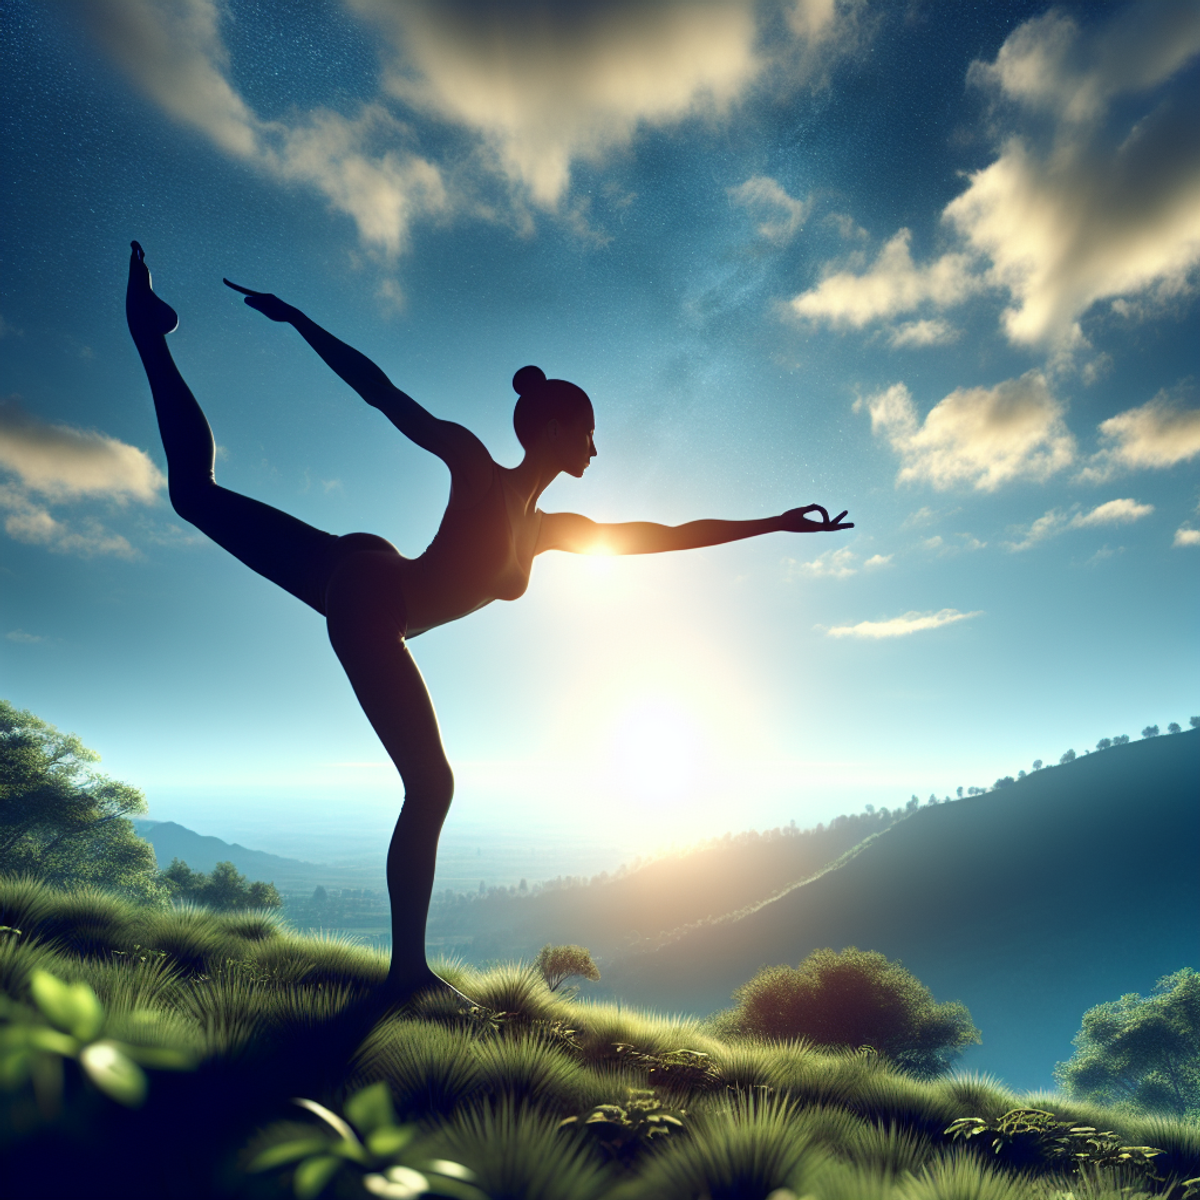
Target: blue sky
point(934, 263)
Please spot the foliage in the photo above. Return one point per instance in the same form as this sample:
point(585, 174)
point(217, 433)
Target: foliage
point(62, 821)
point(1143, 1054)
point(266, 1015)
point(225, 889)
point(557, 964)
point(1031, 1137)
point(383, 1153)
point(623, 1131)
point(67, 1021)
point(856, 998)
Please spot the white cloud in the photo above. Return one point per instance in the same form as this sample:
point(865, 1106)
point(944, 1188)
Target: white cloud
point(1186, 537)
point(1113, 512)
point(783, 215)
point(1159, 433)
point(1102, 209)
point(174, 53)
point(65, 463)
point(1077, 207)
point(910, 622)
point(876, 561)
point(893, 284)
point(25, 639)
point(833, 564)
point(1054, 522)
point(31, 522)
point(933, 332)
point(545, 84)
point(985, 437)
point(59, 463)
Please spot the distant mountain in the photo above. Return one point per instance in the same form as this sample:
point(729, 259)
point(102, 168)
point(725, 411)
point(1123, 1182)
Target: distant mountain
point(1030, 904)
point(202, 853)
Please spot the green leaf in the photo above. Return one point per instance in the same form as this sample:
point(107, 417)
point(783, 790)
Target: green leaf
point(286, 1152)
point(443, 1166)
point(387, 1142)
point(397, 1183)
point(167, 1058)
point(313, 1174)
point(52, 996)
point(330, 1118)
point(114, 1073)
point(371, 1108)
point(53, 1042)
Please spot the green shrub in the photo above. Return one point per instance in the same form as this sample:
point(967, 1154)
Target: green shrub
point(1141, 1054)
point(557, 964)
point(856, 998)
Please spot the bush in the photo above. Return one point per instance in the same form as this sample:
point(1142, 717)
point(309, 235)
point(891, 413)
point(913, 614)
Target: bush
point(856, 998)
point(1141, 1054)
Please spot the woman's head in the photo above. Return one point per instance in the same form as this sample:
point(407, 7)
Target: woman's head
point(541, 400)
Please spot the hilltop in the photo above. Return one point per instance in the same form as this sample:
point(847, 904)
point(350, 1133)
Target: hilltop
point(1030, 904)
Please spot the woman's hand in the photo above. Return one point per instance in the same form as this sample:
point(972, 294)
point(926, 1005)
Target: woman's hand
point(266, 303)
point(795, 520)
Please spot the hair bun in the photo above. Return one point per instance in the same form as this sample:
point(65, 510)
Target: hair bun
point(528, 380)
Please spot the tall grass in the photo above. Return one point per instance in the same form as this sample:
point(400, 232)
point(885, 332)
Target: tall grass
point(269, 1015)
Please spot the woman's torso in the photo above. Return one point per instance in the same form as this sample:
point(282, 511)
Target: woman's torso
point(481, 552)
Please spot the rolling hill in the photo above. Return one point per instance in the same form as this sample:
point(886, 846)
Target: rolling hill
point(1030, 904)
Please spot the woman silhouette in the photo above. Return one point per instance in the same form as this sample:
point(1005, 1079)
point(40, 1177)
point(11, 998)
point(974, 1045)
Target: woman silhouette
point(373, 598)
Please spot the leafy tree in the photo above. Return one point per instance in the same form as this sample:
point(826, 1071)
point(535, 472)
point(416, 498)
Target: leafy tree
point(855, 998)
point(1104, 744)
point(1141, 1054)
point(1174, 727)
point(557, 964)
point(1150, 731)
point(225, 890)
point(62, 821)
point(1122, 739)
point(1194, 722)
point(1037, 764)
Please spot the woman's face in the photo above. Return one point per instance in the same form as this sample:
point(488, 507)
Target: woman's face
point(575, 442)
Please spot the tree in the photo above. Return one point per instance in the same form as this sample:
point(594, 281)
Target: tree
point(1174, 727)
point(856, 998)
point(1140, 1054)
point(1150, 731)
point(557, 964)
point(225, 890)
point(1067, 757)
point(62, 821)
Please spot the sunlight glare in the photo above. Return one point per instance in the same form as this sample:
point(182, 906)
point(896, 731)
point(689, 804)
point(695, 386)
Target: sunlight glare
point(655, 753)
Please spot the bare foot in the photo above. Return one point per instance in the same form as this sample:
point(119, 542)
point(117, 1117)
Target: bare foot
point(422, 988)
point(146, 313)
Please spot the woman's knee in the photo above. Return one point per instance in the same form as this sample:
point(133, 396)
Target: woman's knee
point(430, 791)
point(190, 497)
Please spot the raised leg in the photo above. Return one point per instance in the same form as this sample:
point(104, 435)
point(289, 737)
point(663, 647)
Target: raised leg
point(277, 546)
point(366, 629)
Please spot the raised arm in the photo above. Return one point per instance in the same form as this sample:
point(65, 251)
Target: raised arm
point(456, 446)
point(580, 535)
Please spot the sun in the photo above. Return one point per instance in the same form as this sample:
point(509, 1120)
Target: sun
point(654, 752)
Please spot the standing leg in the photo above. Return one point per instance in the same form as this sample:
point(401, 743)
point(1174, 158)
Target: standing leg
point(366, 630)
point(278, 546)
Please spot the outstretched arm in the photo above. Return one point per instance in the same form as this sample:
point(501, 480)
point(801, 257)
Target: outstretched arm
point(579, 535)
point(448, 441)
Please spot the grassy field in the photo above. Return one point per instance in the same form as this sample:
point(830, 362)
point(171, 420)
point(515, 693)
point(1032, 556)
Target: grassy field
point(167, 1060)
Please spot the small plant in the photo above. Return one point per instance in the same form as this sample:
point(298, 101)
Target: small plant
point(677, 1070)
point(384, 1155)
point(623, 1130)
point(1033, 1137)
point(68, 1022)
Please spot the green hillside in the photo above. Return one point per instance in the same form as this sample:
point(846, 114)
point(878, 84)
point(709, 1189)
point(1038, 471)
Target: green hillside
point(151, 1055)
point(1030, 904)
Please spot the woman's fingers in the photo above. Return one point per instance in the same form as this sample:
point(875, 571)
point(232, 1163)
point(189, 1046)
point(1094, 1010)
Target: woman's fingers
point(237, 287)
point(840, 516)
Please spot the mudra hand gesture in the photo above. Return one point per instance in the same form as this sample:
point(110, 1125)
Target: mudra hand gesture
point(796, 521)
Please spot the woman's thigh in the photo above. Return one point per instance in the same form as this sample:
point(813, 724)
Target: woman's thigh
point(365, 617)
